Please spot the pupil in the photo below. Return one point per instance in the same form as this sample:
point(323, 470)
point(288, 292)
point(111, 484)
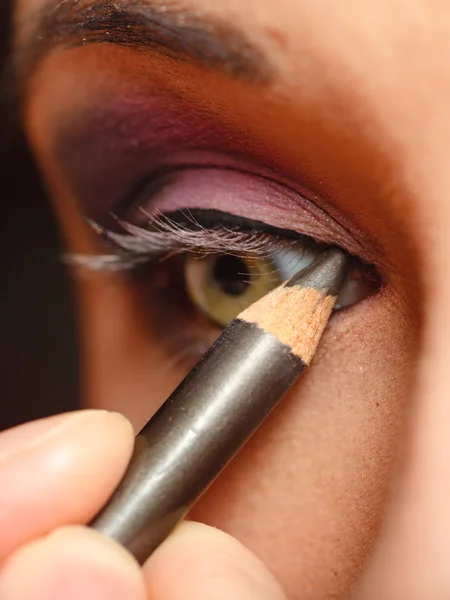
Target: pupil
point(232, 275)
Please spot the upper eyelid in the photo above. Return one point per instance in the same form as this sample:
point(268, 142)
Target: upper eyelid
point(325, 228)
point(315, 216)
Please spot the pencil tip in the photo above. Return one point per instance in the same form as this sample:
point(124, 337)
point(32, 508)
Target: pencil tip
point(327, 273)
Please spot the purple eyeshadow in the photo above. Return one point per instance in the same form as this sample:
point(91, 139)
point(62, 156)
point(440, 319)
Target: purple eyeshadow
point(106, 150)
point(238, 193)
point(115, 155)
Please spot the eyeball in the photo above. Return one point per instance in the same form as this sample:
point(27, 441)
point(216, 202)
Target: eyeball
point(221, 286)
point(361, 282)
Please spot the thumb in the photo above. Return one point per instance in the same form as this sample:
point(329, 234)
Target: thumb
point(58, 471)
point(199, 562)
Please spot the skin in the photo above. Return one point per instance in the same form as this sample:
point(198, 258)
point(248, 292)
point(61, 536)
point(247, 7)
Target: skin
point(360, 102)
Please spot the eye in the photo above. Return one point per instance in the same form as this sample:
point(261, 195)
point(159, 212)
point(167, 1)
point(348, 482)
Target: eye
point(207, 264)
point(255, 259)
point(221, 286)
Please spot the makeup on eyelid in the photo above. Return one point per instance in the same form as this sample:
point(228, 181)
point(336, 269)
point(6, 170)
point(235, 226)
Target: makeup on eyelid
point(238, 193)
point(113, 151)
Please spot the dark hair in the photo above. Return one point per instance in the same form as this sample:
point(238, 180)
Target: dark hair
point(38, 372)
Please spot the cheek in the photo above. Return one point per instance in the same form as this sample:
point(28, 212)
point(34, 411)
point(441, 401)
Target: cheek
point(306, 492)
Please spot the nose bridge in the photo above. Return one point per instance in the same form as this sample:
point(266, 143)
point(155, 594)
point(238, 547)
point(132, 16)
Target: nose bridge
point(422, 521)
point(400, 71)
point(407, 96)
point(408, 104)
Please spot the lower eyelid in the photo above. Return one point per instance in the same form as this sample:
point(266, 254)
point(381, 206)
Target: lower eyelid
point(173, 321)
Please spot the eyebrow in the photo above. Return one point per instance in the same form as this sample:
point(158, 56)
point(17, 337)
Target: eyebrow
point(169, 30)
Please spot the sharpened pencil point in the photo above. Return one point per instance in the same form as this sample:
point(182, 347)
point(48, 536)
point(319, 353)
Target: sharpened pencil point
point(326, 274)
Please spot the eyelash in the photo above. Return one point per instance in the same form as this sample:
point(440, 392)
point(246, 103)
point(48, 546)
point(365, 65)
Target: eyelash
point(163, 238)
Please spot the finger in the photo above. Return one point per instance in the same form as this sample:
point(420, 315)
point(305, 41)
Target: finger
point(73, 563)
point(59, 471)
point(198, 562)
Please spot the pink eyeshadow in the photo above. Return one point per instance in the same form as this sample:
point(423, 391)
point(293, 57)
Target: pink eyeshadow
point(244, 195)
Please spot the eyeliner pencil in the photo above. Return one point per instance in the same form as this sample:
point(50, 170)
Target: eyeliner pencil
point(220, 403)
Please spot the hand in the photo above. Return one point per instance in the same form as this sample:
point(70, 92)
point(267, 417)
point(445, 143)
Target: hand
point(55, 474)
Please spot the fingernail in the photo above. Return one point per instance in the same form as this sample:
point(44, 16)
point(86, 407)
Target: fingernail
point(74, 563)
point(27, 437)
point(210, 564)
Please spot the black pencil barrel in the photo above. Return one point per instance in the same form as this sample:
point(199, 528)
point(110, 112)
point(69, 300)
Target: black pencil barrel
point(219, 405)
point(196, 433)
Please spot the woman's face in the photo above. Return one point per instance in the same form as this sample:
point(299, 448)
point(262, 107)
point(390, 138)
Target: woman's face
point(329, 119)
